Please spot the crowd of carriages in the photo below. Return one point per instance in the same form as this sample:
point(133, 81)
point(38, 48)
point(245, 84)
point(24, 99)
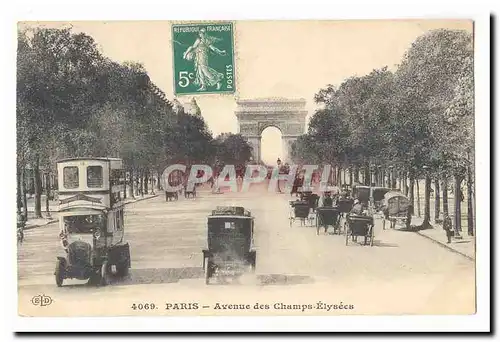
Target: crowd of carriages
point(339, 207)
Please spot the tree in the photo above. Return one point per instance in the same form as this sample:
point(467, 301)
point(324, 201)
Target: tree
point(232, 149)
point(426, 82)
point(61, 112)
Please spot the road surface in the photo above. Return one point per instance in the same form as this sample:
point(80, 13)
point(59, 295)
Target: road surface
point(401, 273)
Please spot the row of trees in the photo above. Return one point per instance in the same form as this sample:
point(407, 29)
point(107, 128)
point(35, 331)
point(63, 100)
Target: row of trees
point(414, 123)
point(73, 101)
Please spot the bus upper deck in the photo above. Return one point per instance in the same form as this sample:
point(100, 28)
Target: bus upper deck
point(90, 182)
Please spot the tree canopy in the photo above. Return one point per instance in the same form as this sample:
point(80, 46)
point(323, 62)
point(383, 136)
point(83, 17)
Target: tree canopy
point(420, 115)
point(73, 101)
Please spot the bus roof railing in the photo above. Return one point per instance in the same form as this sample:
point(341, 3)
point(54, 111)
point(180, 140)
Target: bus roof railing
point(89, 158)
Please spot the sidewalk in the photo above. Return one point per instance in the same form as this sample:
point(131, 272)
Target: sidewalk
point(40, 222)
point(464, 246)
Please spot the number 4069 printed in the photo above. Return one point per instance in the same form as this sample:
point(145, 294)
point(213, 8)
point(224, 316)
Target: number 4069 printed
point(203, 58)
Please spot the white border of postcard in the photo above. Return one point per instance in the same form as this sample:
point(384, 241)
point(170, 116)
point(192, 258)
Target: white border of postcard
point(256, 9)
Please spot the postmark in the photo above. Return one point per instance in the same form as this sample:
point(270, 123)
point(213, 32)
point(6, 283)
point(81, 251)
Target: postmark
point(203, 58)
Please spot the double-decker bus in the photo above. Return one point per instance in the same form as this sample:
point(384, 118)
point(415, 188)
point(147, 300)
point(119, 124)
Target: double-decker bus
point(91, 219)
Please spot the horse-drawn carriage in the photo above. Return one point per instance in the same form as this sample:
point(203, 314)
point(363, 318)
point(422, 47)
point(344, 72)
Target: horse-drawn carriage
point(191, 192)
point(371, 195)
point(359, 225)
point(328, 216)
point(230, 250)
point(300, 210)
point(304, 208)
point(396, 208)
point(171, 195)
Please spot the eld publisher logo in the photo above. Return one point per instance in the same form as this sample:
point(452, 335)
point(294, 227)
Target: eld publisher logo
point(41, 300)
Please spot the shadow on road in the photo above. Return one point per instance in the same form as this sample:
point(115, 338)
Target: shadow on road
point(378, 243)
point(159, 275)
point(173, 275)
point(282, 279)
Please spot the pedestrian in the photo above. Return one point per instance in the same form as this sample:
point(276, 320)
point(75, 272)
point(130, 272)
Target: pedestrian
point(358, 208)
point(326, 200)
point(448, 227)
point(408, 217)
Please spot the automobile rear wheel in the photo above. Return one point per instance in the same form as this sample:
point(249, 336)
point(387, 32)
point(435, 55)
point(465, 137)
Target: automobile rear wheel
point(253, 262)
point(59, 273)
point(104, 274)
point(208, 265)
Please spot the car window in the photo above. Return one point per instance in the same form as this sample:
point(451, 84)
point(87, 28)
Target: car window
point(70, 177)
point(94, 176)
point(83, 224)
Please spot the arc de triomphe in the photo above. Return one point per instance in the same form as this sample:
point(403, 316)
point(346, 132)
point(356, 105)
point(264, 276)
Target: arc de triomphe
point(255, 115)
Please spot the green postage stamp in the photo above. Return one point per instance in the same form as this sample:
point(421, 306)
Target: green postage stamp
point(203, 58)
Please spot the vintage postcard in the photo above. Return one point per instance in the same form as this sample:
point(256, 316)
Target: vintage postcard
point(246, 168)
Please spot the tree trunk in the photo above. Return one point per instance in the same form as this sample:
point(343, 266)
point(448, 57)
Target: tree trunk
point(445, 197)
point(124, 185)
point(418, 197)
point(19, 194)
point(339, 176)
point(137, 183)
point(38, 188)
point(412, 194)
point(367, 174)
point(47, 194)
point(388, 180)
point(141, 183)
point(437, 203)
point(131, 186)
point(356, 174)
point(400, 182)
point(458, 203)
point(427, 204)
point(350, 176)
point(158, 181)
point(405, 184)
point(23, 193)
point(393, 179)
point(470, 206)
point(146, 181)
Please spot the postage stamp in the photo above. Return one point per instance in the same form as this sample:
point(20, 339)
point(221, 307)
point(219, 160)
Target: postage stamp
point(344, 183)
point(203, 58)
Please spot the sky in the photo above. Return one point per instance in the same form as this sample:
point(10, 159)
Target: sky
point(292, 59)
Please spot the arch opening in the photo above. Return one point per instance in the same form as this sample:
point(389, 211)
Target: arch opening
point(271, 145)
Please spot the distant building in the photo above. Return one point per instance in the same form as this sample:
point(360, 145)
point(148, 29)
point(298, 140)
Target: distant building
point(177, 106)
point(192, 107)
